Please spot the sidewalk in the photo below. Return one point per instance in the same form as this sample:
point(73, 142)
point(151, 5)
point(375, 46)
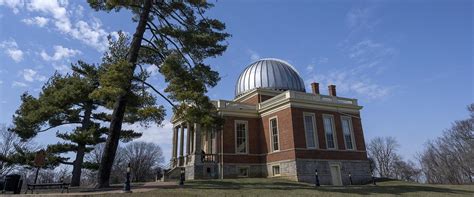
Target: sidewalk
point(149, 186)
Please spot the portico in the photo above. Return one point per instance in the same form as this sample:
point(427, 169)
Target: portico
point(197, 148)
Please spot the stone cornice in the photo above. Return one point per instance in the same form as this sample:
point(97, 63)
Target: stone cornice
point(284, 100)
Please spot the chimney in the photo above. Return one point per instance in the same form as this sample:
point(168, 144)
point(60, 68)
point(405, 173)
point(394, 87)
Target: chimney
point(332, 90)
point(315, 87)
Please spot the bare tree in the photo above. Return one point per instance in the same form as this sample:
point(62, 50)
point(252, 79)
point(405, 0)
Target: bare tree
point(144, 158)
point(48, 175)
point(383, 151)
point(9, 142)
point(450, 157)
point(406, 170)
point(94, 157)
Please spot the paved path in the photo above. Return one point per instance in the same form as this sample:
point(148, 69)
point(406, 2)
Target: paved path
point(91, 191)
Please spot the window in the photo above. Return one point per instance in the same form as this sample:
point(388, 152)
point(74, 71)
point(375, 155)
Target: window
point(241, 133)
point(347, 130)
point(276, 170)
point(329, 131)
point(243, 172)
point(310, 130)
point(274, 134)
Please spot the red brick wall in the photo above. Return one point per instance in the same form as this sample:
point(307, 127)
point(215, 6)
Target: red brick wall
point(229, 134)
point(358, 133)
point(292, 138)
point(252, 100)
point(285, 130)
point(300, 139)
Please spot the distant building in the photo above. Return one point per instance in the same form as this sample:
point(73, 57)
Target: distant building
point(274, 128)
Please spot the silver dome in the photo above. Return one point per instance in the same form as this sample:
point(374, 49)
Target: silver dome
point(269, 73)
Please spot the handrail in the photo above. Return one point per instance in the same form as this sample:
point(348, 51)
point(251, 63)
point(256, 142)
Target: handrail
point(167, 166)
point(209, 158)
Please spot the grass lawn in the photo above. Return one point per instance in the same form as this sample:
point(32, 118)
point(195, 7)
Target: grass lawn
point(281, 187)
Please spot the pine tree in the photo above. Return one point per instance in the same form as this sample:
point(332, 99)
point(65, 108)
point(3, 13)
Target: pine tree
point(71, 99)
point(179, 39)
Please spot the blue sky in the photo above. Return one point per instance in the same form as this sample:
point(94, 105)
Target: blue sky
point(408, 62)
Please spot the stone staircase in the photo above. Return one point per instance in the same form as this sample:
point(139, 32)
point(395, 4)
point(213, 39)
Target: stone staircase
point(172, 174)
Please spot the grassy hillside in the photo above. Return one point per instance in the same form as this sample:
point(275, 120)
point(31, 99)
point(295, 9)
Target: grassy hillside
point(280, 187)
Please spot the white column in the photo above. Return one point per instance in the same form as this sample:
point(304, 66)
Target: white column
point(181, 144)
point(175, 145)
point(188, 138)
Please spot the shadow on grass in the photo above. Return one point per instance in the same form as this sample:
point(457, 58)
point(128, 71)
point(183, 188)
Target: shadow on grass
point(395, 189)
point(233, 184)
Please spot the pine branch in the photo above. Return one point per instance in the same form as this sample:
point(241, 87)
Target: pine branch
point(177, 48)
point(158, 92)
point(52, 127)
point(66, 162)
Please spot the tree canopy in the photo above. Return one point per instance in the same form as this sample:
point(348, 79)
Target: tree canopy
point(74, 99)
point(176, 37)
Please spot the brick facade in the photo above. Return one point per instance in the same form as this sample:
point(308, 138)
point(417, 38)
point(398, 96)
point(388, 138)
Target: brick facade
point(292, 139)
point(295, 161)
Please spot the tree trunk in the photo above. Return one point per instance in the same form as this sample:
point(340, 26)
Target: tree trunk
point(81, 147)
point(77, 165)
point(115, 128)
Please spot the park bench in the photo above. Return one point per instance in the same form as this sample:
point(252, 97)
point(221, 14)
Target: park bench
point(61, 186)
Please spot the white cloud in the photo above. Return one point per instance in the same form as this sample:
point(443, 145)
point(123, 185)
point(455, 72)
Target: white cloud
point(1, 82)
point(254, 56)
point(15, 54)
point(60, 53)
point(12, 50)
point(349, 82)
point(88, 32)
point(53, 7)
point(369, 54)
point(320, 61)
point(79, 11)
point(368, 57)
point(19, 84)
point(153, 70)
point(91, 33)
point(361, 19)
point(15, 5)
point(323, 60)
point(38, 21)
point(31, 75)
point(63, 69)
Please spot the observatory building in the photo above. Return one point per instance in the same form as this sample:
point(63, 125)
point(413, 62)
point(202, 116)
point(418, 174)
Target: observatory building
point(274, 128)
